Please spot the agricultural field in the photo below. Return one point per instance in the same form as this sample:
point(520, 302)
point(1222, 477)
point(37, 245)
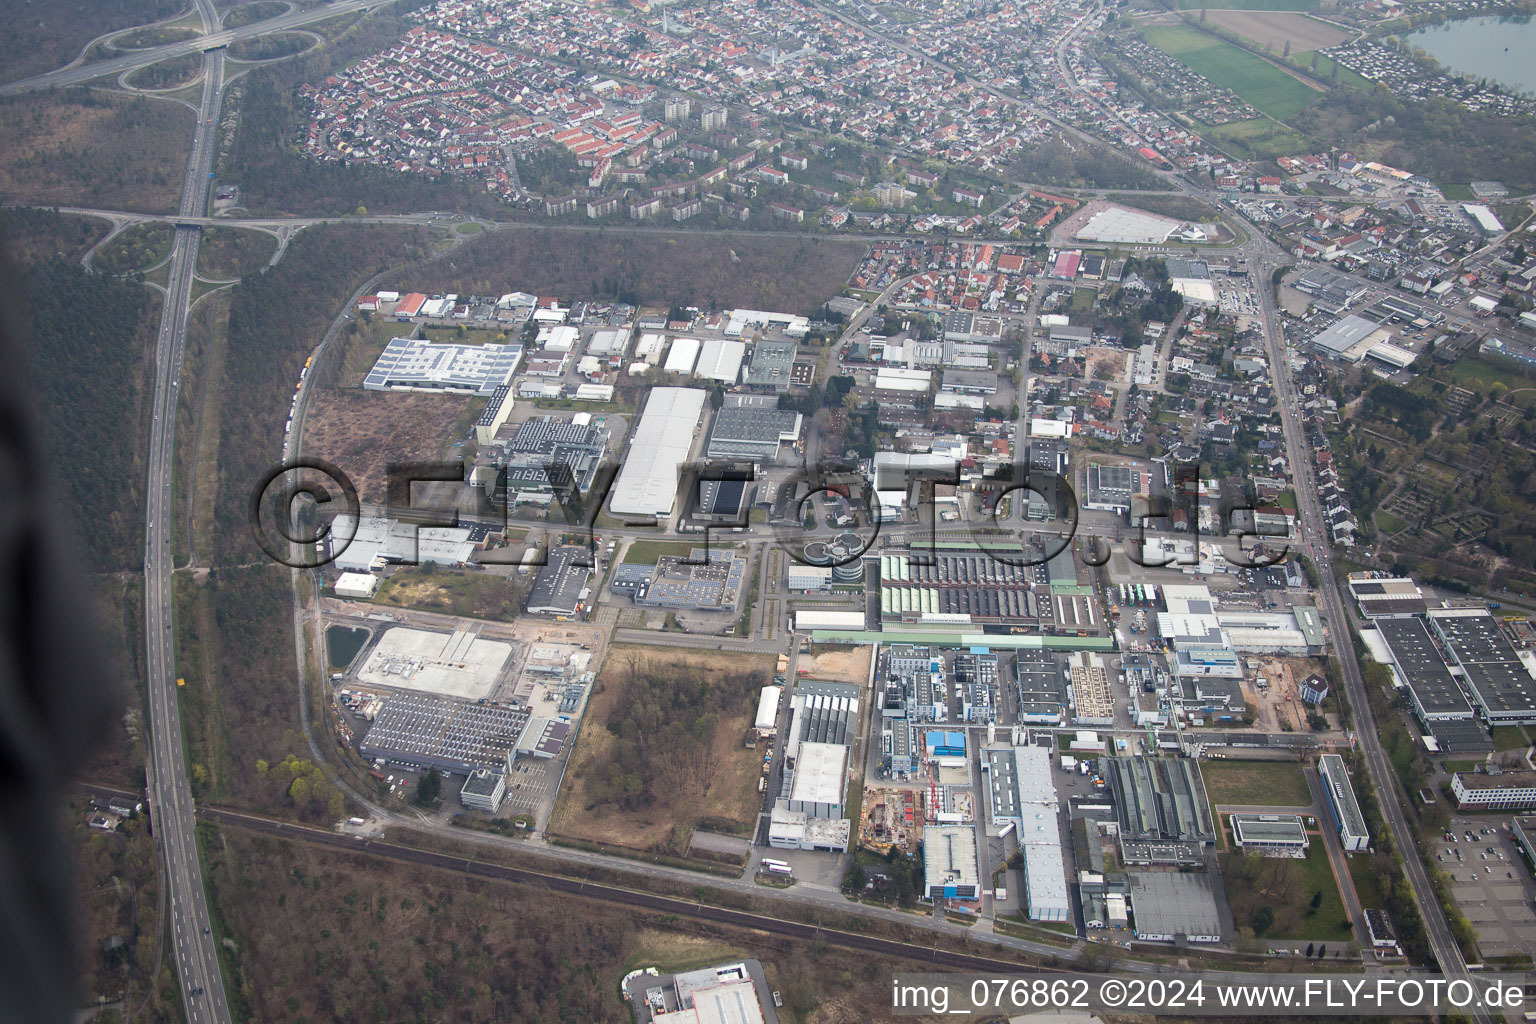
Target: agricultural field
point(1254, 80)
point(1275, 29)
point(646, 771)
point(1249, 5)
point(1258, 139)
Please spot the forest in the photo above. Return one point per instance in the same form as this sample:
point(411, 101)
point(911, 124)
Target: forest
point(88, 148)
point(664, 733)
point(43, 36)
point(398, 942)
point(86, 338)
point(795, 275)
point(275, 318)
point(1441, 140)
point(1085, 166)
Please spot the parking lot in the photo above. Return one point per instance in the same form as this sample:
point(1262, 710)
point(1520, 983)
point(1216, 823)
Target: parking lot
point(1490, 883)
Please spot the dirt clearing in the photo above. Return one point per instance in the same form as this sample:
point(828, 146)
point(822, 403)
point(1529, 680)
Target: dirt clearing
point(842, 666)
point(1276, 28)
point(362, 432)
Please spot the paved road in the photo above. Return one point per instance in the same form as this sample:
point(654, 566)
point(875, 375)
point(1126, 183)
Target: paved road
point(1441, 942)
point(211, 38)
point(170, 795)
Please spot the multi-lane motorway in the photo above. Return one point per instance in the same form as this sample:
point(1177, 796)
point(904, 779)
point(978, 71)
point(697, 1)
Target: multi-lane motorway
point(170, 794)
point(80, 73)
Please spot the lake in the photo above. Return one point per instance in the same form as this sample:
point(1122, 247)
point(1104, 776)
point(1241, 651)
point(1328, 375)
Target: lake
point(1496, 48)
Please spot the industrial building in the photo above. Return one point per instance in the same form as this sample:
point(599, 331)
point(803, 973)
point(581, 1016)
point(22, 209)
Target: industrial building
point(357, 585)
point(1093, 703)
point(1114, 488)
point(819, 780)
point(799, 830)
point(483, 790)
point(683, 356)
point(752, 427)
point(371, 543)
point(1273, 835)
point(413, 364)
point(1495, 790)
point(720, 359)
point(714, 995)
point(1498, 681)
point(1174, 906)
point(1024, 792)
point(647, 480)
point(573, 447)
point(1349, 339)
point(767, 721)
point(1041, 687)
point(459, 664)
point(950, 868)
point(707, 580)
point(417, 731)
point(560, 588)
point(955, 585)
point(1342, 806)
point(1418, 664)
point(1192, 280)
point(1161, 808)
point(1122, 225)
point(494, 416)
point(1387, 597)
point(771, 365)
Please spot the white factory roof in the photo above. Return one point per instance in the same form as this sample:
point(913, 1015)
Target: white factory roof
point(740, 319)
point(1040, 427)
point(818, 618)
point(356, 584)
point(683, 356)
point(1341, 339)
point(949, 856)
point(1393, 355)
point(896, 378)
point(821, 773)
point(647, 482)
point(1484, 217)
point(608, 343)
point(377, 540)
point(412, 364)
point(558, 338)
point(649, 344)
point(1045, 873)
point(768, 707)
point(721, 360)
point(1120, 224)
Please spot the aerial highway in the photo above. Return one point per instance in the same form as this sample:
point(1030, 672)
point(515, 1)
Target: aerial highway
point(170, 794)
point(208, 42)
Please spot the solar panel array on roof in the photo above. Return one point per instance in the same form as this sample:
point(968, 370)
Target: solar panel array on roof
point(452, 736)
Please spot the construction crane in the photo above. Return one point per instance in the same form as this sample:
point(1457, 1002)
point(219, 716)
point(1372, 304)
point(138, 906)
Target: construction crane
point(933, 793)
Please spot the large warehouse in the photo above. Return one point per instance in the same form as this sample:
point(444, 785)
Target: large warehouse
point(647, 482)
point(1488, 663)
point(1127, 226)
point(1164, 816)
point(412, 364)
point(421, 732)
point(720, 359)
point(1417, 662)
point(753, 427)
